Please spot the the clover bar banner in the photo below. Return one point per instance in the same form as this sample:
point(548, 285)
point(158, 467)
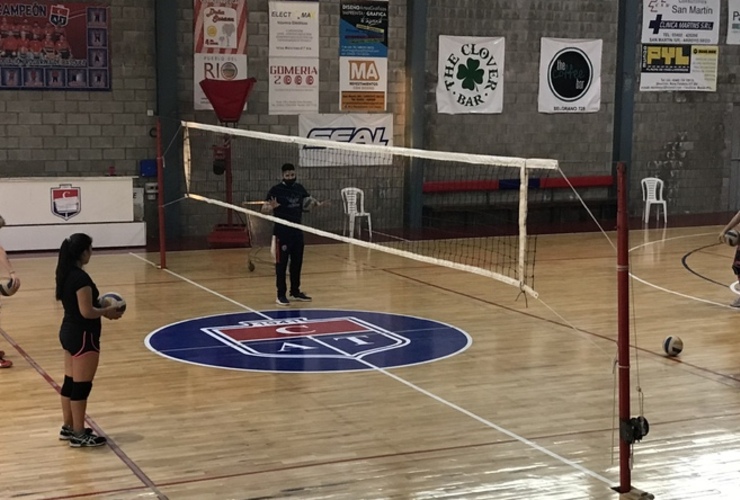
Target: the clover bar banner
point(470, 75)
point(54, 47)
point(570, 76)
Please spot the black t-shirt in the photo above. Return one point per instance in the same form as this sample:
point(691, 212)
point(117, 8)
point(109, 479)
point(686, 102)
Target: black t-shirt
point(76, 279)
point(290, 200)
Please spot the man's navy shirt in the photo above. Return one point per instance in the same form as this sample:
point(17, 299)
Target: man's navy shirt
point(290, 207)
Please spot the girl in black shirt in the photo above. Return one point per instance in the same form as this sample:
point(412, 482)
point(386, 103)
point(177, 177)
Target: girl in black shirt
point(79, 336)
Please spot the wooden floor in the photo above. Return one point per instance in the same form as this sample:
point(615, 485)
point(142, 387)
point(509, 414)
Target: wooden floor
point(526, 412)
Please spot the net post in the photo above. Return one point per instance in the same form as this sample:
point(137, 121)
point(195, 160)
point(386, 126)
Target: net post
point(160, 199)
point(523, 200)
point(623, 328)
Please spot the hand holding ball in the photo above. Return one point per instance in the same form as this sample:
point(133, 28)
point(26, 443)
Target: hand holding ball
point(112, 298)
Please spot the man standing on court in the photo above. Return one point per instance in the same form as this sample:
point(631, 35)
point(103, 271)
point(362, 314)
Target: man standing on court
point(287, 201)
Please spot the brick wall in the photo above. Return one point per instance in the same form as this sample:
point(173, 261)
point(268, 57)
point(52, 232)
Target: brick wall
point(683, 137)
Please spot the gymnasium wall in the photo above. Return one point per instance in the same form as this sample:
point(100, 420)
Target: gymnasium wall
point(683, 137)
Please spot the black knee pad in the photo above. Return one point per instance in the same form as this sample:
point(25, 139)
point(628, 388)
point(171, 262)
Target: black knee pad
point(67, 387)
point(80, 391)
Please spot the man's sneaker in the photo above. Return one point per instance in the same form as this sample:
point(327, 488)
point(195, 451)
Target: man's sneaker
point(66, 433)
point(300, 296)
point(282, 301)
point(87, 441)
point(5, 363)
point(736, 302)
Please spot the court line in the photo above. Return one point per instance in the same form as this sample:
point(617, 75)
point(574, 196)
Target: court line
point(440, 400)
point(135, 469)
point(666, 290)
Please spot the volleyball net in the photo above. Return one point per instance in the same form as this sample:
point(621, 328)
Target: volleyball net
point(473, 207)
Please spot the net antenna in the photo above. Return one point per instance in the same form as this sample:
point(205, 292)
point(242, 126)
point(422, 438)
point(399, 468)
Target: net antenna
point(228, 98)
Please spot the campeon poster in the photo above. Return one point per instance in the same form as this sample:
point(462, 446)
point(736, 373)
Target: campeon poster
point(220, 44)
point(65, 46)
point(570, 76)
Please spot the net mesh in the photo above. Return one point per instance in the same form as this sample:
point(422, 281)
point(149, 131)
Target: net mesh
point(474, 206)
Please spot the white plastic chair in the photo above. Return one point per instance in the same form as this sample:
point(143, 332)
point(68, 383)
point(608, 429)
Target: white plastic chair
point(353, 200)
point(652, 194)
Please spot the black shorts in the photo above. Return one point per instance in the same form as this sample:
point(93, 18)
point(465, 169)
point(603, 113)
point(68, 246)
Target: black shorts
point(78, 341)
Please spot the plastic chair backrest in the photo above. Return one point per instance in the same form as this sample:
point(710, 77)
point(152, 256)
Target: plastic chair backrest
point(353, 199)
point(652, 189)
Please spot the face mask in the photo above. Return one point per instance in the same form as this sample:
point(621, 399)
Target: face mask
point(289, 182)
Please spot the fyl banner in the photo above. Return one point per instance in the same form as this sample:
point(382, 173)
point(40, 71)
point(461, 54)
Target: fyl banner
point(220, 39)
point(570, 76)
point(294, 58)
point(679, 67)
point(375, 128)
point(65, 46)
point(363, 55)
point(470, 75)
point(680, 22)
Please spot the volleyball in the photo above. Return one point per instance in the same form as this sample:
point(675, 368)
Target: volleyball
point(6, 287)
point(111, 298)
point(308, 203)
point(732, 237)
point(673, 345)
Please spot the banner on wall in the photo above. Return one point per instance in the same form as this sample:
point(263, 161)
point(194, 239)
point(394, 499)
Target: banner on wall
point(693, 22)
point(294, 29)
point(357, 128)
point(65, 46)
point(363, 55)
point(679, 67)
point(570, 76)
point(220, 44)
point(294, 85)
point(294, 58)
point(733, 22)
point(470, 75)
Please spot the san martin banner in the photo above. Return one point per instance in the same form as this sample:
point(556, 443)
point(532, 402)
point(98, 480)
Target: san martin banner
point(692, 22)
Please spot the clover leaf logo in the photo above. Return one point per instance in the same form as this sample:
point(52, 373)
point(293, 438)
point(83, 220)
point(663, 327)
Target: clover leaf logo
point(470, 74)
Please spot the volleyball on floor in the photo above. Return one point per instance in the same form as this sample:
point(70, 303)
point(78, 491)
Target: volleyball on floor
point(732, 237)
point(673, 345)
point(111, 298)
point(6, 287)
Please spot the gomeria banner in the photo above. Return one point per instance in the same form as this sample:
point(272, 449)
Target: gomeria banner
point(570, 76)
point(54, 47)
point(220, 36)
point(470, 75)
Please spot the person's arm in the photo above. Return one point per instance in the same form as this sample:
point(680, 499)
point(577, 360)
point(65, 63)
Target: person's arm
point(89, 311)
point(5, 263)
point(730, 225)
point(270, 203)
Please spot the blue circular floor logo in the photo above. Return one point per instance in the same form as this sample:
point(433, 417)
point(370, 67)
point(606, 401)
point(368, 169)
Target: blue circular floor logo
point(308, 340)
